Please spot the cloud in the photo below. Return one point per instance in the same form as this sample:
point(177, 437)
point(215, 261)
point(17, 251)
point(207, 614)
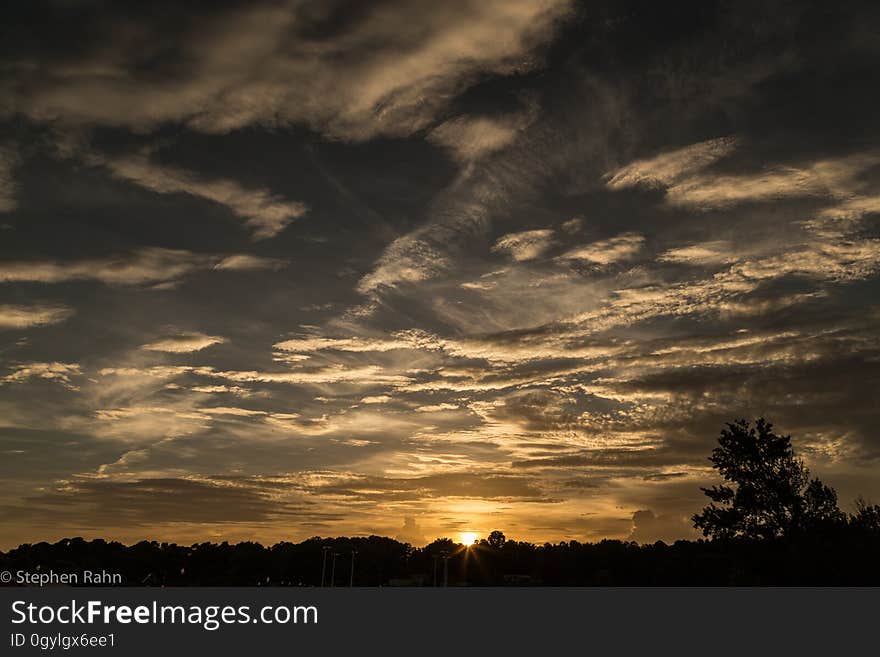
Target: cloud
point(572, 226)
point(20, 316)
point(478, 485)
point(705, 253)
point(266, 214)
point(408, 259)
point(523, 346)
point(835, 178)
point(376, 399)
point(58, 372)
point(356, 344)
point(362, 376)
point(247, 262)
point(649, 528)
point(144, 266)
point(386, 70)
point(461, 215)
point(437, 408)
point(184, 343)
point(682, 174)
point(148, 502)
point(469, 138)
point(411, 532)
point(512, 347)
point(231, 410)
point(525, 245)
point(667, 168)
point(155, 371)
point(833, 259)
point(838, 261)
point(853, 208)
point(221, 389)
point(606, 252)
point(8, 185)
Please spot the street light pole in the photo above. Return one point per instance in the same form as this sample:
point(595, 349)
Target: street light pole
point(434, 558)
point(351, 576)
point(333, 570)
point(324, 564)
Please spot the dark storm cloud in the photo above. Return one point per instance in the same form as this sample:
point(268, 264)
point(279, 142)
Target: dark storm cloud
point(334, 264)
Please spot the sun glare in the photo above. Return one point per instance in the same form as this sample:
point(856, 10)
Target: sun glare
point(468, 538)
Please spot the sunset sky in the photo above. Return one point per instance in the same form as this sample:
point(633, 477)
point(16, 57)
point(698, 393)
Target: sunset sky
point(271, 270)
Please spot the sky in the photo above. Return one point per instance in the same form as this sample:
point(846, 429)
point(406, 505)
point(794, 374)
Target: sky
point(271, 270)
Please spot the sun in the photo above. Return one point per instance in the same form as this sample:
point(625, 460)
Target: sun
point(468, 538)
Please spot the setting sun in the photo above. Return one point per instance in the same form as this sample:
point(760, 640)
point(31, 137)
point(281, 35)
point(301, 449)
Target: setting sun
point(468, 538)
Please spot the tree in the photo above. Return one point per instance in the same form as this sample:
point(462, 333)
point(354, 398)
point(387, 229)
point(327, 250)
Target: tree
point(497, 539)
point(820, 507)
point(768, 491)
point(866, 519)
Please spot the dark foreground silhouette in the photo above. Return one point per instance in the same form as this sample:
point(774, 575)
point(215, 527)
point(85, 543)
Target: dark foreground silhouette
point(768, 523)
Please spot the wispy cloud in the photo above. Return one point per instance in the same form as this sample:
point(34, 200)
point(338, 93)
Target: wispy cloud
point(57, 372)
point(525, 245)
point(704, 253)
point(247, 262)
point(369, 375)
point(357, 344)
point(265, 213)
point(461, 215)
point(669, 167)
point(607, 252)
point(469, 138)
point(682, 173)
point(184, 343)
point(376, 399)
point(834, 178)
point(16, 316)
point(409, 259)
point(257, 64)
point(141, 267)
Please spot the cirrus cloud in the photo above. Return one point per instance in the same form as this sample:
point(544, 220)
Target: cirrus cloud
point(184, 343)
point(144, 266)
point(17, 316)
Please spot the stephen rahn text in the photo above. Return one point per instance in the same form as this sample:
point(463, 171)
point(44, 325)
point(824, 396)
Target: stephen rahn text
point(96, 577)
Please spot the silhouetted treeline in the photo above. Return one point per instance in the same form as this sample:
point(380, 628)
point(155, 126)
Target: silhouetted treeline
point(845, 556)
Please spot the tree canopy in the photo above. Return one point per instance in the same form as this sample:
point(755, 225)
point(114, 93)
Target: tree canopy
point(768, 492)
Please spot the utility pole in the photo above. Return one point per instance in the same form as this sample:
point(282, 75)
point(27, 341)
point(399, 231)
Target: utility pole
point(333, 570)
point(324, 564)
point(434, 558)
point(351, 576)
point(445, 556)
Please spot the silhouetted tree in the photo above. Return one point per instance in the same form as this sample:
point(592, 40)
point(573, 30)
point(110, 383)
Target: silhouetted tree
point(820, 507)
point(769, 493)
point(441, 545)
point(496, 539)
point(866, 519)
